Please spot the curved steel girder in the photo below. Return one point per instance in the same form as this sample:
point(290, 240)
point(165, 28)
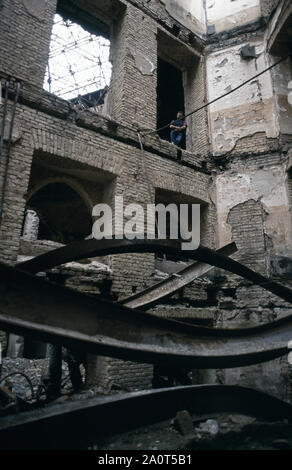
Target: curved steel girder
point(161, 290)
point(91, 248)
point(153, 295)
point(57, 426)
point(55, 314)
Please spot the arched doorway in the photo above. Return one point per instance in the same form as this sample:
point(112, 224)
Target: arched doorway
point(63, 215)
point(58, 213)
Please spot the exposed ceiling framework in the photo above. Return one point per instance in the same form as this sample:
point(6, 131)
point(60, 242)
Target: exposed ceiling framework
point(78, 61)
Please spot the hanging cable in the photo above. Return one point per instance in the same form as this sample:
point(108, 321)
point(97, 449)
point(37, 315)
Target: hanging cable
point(222, 96)
point(142, 134)
point(8, 150)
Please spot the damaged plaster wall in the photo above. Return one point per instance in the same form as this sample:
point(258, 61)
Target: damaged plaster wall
point(247, 111)
point(189, 13)
point(252, 205)
point(224, 15)
point(266, 186)
point(36, 8)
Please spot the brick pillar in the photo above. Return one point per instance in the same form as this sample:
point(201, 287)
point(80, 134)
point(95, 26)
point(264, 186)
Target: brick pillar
point(134, 78)
point(25, 38)
point(14, 198)
point(131, 273)
point(196, 96)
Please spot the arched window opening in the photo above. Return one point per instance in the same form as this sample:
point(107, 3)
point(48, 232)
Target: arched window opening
point(63, 215)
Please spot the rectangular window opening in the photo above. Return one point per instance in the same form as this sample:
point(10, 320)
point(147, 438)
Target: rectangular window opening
point(173, 262)
point(170, 97)
point(79, 67)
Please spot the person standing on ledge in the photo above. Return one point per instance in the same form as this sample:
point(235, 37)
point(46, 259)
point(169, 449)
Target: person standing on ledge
point(178, 127)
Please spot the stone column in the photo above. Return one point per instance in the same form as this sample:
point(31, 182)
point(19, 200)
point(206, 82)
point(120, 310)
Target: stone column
point(31, 225)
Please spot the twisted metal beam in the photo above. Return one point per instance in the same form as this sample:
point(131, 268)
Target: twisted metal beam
point(92, 248)
point(161, 290)
point(58, 427)
point(59, 315)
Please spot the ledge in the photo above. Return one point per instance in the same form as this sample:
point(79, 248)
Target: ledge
point(52, 105)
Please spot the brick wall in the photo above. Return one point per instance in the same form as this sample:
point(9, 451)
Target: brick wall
point(25, 36)
point(134, 79)
point(61, 143)
point(246, 221)
point(97, 151)
point(195, 97)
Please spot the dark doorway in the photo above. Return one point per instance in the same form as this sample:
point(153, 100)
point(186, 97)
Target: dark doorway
point(170, 96)
point(63, 215)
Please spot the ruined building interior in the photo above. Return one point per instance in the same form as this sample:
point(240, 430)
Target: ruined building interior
point(78, 128)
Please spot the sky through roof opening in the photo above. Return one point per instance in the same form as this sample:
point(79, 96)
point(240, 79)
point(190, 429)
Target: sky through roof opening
point(78, 61)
